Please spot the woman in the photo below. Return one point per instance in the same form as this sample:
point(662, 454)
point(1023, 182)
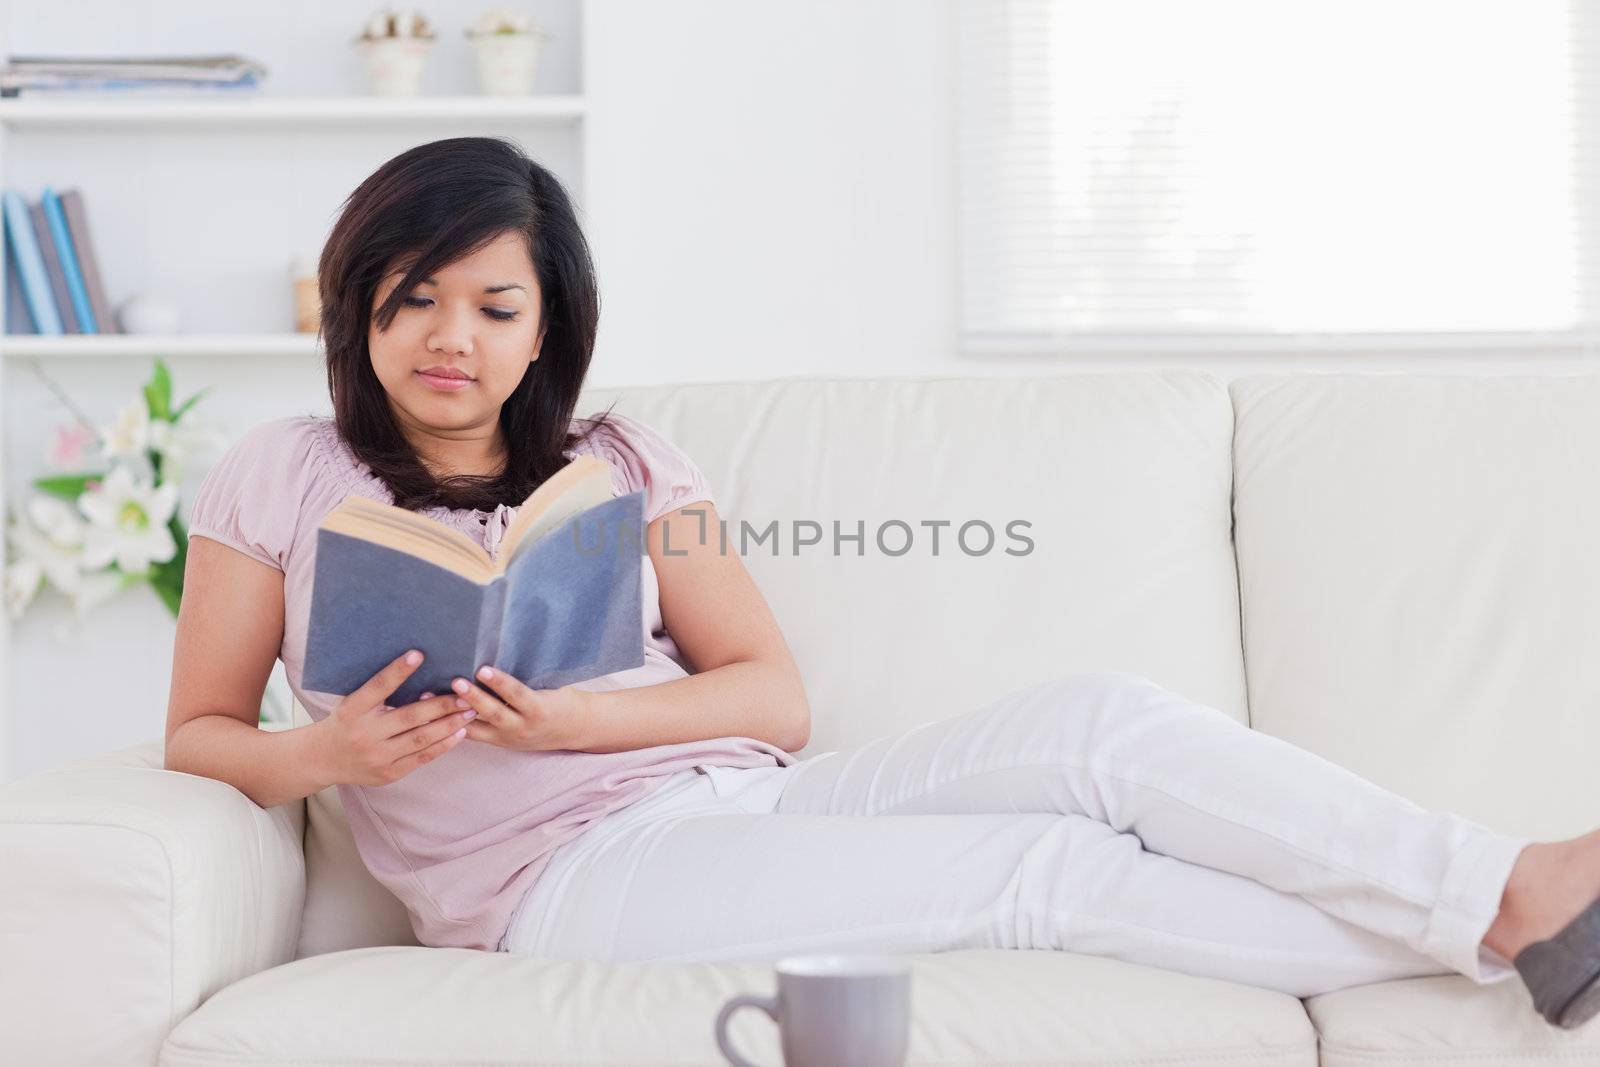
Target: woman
point(623, 818)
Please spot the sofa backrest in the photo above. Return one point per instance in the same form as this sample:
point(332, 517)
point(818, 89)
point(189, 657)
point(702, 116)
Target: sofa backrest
point(1421, 586)
point(1125, 561)
point(1123, 478)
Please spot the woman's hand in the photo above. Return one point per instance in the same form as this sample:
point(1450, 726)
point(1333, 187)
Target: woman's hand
point(366, 742)
point(513, 716)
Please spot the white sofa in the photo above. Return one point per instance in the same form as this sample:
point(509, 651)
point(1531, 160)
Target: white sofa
point(1396, 571)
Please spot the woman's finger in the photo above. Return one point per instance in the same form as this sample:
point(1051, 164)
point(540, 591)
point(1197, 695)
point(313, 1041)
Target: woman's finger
point(510, 689)
point(490, 708)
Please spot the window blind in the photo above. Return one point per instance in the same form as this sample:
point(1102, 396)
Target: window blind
point(1159, 168)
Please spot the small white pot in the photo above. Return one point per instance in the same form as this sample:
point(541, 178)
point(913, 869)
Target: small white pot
point(507, 62)
point(395, 64)
point(146, 313)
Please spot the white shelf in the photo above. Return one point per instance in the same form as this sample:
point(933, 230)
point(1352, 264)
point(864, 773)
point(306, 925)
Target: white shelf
point(133, 344)
point(26, 112)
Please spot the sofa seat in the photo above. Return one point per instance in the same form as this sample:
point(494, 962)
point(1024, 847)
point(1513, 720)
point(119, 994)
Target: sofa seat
point(1442, 1020)
point(407, 1005)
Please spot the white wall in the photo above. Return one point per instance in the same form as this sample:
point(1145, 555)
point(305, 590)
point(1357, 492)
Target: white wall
point(772, 188)
point(770, 192)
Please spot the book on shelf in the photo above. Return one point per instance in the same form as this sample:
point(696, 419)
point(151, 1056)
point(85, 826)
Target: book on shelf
point(561, 603)
point(51, 256)
point(52, 268)
point(18, 318)
point(115, 74)
point(29, 259)
point(69, 260)
point(87, 263)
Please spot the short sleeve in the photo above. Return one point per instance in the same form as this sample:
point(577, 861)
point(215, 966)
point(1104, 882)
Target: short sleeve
point(251, 497)
point(643, 459)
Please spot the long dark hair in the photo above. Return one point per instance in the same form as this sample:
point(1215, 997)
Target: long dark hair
point(439, 202)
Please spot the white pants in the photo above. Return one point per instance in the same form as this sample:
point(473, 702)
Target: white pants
point(1097, 813)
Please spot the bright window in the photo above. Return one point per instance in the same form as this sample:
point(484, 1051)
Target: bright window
point(1244, 167)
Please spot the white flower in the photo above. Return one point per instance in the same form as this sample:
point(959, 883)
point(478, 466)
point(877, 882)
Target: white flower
point(51, 537)
point(128, 522)
point(24, 576)
point(177, 441)
point(95, 588)
point(56, 519)
point(130, 434)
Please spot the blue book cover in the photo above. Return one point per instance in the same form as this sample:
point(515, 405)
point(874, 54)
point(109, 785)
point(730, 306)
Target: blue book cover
point(561, 604)
point(69, 261)
point(30, 264)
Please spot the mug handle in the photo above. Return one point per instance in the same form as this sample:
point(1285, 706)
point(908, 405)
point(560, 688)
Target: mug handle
point(743, 1000)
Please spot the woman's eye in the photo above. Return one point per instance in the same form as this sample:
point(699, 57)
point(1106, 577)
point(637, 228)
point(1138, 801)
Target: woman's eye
point(493, 313)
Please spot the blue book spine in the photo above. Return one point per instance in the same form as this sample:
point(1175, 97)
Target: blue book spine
point(18, 319)
point(35, 285)
point(69, 261)
point(490, 619)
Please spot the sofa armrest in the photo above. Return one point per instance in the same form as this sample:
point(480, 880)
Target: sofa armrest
point(128, 895)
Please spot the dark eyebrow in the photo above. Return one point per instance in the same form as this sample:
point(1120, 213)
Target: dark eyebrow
point(487, 289)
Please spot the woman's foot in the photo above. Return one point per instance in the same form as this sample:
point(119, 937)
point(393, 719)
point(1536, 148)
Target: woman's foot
point(1551, 886)
point(1551, 883)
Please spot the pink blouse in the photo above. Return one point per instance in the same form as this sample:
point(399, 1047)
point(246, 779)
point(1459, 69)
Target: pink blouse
point(461, 839)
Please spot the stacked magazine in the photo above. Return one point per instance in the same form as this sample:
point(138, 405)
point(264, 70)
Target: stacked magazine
point(179, 74)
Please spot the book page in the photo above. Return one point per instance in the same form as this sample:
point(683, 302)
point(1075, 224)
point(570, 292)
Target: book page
point(578, 486)
point(407, 531)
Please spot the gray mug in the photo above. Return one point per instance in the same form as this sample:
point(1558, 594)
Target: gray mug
point(833, 1011)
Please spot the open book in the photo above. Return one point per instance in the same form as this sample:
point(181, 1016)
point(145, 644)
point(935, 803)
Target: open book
point(561, 604)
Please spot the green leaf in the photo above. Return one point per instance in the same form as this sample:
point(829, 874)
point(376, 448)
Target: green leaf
point(158, 393)
point(187, 404)
point(167, 578)
point(66, 486)
point(169, 589)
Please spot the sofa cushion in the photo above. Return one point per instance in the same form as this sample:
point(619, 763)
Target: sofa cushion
point(1441, 1020)
point(453, 1006)
point(345, 906)
point(1419, 584)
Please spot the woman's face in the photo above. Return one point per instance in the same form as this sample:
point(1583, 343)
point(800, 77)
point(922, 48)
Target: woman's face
point(477, 317)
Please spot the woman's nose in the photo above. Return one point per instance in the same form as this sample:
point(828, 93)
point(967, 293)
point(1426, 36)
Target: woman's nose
point(452, 332)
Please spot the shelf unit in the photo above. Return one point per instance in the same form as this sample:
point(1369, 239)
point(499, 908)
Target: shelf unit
point(261, 112)
point(167, 114)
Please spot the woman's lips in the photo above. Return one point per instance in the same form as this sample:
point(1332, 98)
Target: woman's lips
point(444, 385)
